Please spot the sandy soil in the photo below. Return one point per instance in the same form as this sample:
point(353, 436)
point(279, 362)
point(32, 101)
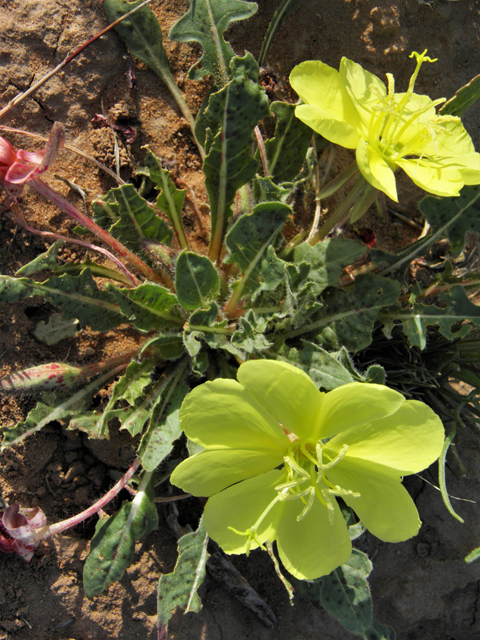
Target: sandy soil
point(422, 587)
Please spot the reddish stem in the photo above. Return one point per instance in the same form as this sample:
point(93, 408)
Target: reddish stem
point(45, 191)
point(20, 219)
point(72, 522)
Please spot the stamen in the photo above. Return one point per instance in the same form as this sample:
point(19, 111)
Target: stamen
point(391, 85)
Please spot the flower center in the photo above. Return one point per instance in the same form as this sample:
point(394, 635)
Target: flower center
point(396, 129)
point(305, 480)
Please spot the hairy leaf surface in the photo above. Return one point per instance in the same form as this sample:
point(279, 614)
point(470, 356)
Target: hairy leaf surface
point(205, 22)
point(112, 546)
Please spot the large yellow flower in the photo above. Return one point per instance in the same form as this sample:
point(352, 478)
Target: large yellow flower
point(353, 108)
point(278, 453)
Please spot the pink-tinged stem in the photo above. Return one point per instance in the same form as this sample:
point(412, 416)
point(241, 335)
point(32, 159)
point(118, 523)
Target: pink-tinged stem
point(79, 152)
point(18, 216)
point(91, 511)
point(45, 191)
point(68, 59)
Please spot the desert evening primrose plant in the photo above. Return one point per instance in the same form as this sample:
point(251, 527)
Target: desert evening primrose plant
point(219, 284)
point(278, 453)
point(389, 131)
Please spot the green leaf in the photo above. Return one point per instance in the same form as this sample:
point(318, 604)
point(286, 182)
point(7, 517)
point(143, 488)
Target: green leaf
point(249, 334)
point(51, 410)
point(456, 308)
point(232, 115)
point(148, 306)
point(265, 190)
point(196, 280)
point(327, 259)
point(130, 219)
point(143, 36)
point(178, 590)
point(286, 151)
point(170, 200)
point(323, 367)
point(130, 392)
point(44, 262)
point(453, 217)
point(463, 99)
point(164, 427)
point(77, 296)
point(346, 595)
point(276, 23)
point(346, 319)
point(205, 22)
point(250, 237)
point(112, 546)
point(165, 347)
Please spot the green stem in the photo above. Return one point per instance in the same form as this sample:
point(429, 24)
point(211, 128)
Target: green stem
point(355, 198)
point(441, 474)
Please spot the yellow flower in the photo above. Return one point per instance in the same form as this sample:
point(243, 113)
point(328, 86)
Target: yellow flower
point(353, 108)
point(278, 453)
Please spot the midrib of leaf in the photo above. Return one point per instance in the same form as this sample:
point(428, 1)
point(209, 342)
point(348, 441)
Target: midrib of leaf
point(428, 240)
point(93, 302)
point(217, 43)
point(214, 252)
point(329, 319)
point(131, 215)
point(197, 581)
point(173, 211)
point(160, 314)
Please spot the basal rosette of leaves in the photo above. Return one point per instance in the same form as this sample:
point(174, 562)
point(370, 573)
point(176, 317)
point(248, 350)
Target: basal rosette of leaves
point(277, 454)
point(389, 131)
point(262, 291)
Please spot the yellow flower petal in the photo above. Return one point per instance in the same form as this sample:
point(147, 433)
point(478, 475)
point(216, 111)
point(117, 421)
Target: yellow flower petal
point(384, 505)
point(285, 391)
point(239, 507)
point(354, 405)
point(375, 169)
point(313, 547)
point(223, 415)
point(210, 471)
point(364, 89)
point(407, 441)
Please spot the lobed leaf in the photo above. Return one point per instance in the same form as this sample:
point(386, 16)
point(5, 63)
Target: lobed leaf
point(327, 259)
point(345, 593)
point(232, 115)
point(178, 590)
point(77, 296)
point(142, 34)
point(164, 426)
point(132, 395)
point(456, 309)
point(250, 237)
point(130, 219)
point(147, 306)
point(346, 319)
point(205, 22)
point(170, 199)
point(112, 546)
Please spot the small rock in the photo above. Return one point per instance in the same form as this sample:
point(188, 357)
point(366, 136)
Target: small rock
point(76, 469)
